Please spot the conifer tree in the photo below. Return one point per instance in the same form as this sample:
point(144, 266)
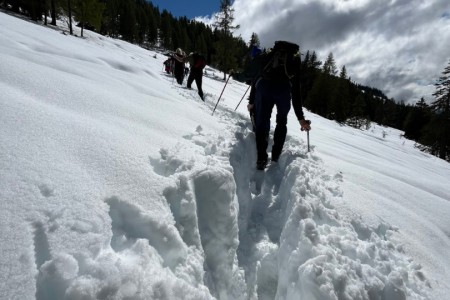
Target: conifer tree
point(53, 12)
point(152, 34)
point(329, 67)
point(357, 112)
point(35, 9)
point(69, 12)
point(88, 12)
point(318, 96)
point(142, 22)
point(437, 132)
point(111, 18)
point(166, 30)
point(418, 116)
point(340, 99)
point(67, 7)
point(254, 40)
point(442, 103)
point(225, 42)
point(324, 90)
point(127, 20)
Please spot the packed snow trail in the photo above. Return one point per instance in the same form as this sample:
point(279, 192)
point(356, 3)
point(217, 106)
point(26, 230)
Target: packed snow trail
point(293, 244)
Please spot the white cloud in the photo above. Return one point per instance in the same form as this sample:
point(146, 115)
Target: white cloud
point(397, 46)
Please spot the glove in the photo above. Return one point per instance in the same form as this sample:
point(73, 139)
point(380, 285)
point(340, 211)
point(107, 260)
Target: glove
point(250, 107)
point(305, 125)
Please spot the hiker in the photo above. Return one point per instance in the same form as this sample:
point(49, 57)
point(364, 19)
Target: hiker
point(179, 58)
point(168, 65)
point(275, 79)
point(197, 62)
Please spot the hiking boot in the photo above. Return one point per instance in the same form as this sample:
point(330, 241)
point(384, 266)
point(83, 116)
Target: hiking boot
point(261, 164)
point(275, 158)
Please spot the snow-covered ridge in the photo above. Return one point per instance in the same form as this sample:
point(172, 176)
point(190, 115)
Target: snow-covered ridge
point(117, 183)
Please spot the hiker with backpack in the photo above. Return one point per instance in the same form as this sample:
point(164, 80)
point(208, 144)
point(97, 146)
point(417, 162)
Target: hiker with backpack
point(168, 65)
point(178, 70)
point(197, 63)
point(275, 79)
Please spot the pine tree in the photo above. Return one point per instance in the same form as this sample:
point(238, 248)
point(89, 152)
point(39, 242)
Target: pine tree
point(88, 12)
point(225, 44)
point(437, 133)
point(442, 94)
point(53, 12)
point(339, 103)
point(142, 22)
point(310, 69)
point(67, 7)
point(110, 19)
point(166, 30)
point(69, 13)
point(35, 9)
point(329, 67)
point(254, 40)
point(318, 96)
point(152, 34)
point(418, 116)
point(357, 115)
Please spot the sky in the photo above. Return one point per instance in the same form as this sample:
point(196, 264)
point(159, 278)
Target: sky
point(190, 9)
point(116, 182)
point(400, 47)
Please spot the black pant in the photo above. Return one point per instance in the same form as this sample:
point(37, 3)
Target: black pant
point(179, 72)
point(196, 74)
point(270, 94)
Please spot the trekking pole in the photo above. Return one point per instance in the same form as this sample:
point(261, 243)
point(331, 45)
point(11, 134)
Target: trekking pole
point(221, 94)
point(242, 97)
point(307, 138)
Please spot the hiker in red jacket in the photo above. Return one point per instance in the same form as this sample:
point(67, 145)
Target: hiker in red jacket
point(198, 63)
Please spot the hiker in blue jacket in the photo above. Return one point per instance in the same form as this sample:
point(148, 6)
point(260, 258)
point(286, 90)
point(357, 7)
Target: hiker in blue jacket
point(275, 78)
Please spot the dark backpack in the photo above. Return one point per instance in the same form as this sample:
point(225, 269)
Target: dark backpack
point(280, 63)
point(199, 61)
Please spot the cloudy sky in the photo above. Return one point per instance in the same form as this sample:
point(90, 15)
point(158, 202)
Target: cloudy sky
point(398, 46)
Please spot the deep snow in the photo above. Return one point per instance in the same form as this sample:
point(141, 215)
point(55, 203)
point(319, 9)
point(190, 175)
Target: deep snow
point(117, 183)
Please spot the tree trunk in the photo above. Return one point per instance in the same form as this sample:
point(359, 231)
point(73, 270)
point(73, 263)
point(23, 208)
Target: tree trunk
point(45, 11)
point(70, 18)
point(53, 12)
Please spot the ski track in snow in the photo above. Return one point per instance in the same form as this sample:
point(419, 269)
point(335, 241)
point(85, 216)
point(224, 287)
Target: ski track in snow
point(236, 222)
point(330, 258)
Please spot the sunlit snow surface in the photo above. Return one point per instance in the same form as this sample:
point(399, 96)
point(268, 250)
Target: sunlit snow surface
point(118, 183)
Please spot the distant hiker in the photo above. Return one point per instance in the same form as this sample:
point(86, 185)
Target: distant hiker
point(179, 57)
point(168, 65)
point(275, 79)
point(198, 63)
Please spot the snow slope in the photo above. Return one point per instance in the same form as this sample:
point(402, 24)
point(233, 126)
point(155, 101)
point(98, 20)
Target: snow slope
point(117, 183)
